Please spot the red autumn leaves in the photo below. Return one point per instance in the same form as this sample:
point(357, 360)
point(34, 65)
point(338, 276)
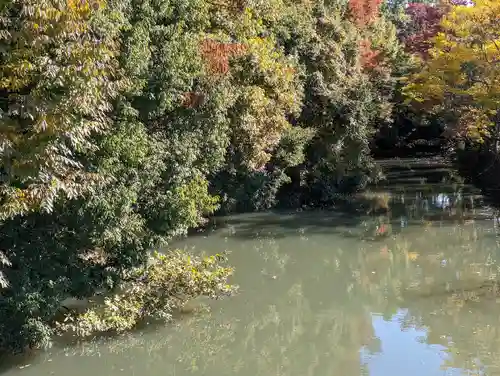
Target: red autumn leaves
point(423, 26)
point(364, 12)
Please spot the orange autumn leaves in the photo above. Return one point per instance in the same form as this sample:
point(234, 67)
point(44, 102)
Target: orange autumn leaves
point(216, 55)
point(369, 58)
point(364, 13)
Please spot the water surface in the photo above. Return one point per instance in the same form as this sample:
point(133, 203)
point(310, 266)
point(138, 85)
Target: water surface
point(335, 292)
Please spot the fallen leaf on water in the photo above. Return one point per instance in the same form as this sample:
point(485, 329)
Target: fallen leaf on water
point(413, 255)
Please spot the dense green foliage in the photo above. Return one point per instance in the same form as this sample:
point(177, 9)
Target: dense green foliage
point(125, 123)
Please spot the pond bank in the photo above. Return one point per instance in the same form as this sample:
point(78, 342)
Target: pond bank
point(477, 167)
point(481, 168)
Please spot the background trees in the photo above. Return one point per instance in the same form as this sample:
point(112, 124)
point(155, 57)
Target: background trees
point(343, 56)
point(460, 79)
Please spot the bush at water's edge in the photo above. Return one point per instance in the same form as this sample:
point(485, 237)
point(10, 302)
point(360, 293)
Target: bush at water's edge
point(154, 292)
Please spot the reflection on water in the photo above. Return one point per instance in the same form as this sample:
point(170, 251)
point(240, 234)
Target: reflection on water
point(335, 292)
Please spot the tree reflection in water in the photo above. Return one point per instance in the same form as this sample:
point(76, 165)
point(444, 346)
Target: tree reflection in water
point(310, 283)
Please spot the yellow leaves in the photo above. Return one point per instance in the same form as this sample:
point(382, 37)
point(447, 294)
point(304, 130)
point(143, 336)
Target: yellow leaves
point(261, 125)
point(248, 12)
point(269, 60)
point(78, 5)
point(462, 73)
point(466, 20)
point(413, 256)
point(474, 123)
point(53, 17)
point(20, 195)
point(15, 76)
point(278, 71)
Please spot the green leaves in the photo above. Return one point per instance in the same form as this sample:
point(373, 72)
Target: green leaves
point(154, 292)
point(57, 78)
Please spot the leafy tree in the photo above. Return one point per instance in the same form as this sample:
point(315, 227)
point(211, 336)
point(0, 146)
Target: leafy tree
point(460, 80)
point(264, 82)
point(151, 161)
point(344, 103)
point(58, 76)
point(341, 105)
point(414, 29)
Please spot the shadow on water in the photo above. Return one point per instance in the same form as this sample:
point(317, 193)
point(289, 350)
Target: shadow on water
point(419, 192)
point(284, 224)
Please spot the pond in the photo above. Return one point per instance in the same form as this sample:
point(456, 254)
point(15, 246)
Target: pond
point(337, 292)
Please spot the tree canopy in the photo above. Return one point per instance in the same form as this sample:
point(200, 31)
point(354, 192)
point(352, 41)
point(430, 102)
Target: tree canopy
point(461, 76)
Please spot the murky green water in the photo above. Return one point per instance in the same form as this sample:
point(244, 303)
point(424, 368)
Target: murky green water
point(332, 293)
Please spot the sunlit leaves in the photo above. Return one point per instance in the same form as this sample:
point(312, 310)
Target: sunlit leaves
point(268, 92)
point(3, 262)
point(364, 12)
point(155, 291)
point(462, 74)
point(57, 77)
